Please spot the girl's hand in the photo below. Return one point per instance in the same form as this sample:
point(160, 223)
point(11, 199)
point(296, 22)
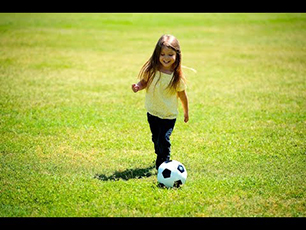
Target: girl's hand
point(186, 117)
point(135, 88)
point(183, 96)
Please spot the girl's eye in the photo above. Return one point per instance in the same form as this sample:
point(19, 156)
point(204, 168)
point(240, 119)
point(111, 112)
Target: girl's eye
point(162, 54)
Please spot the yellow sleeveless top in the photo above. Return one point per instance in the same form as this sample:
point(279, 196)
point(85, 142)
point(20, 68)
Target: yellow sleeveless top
point(160, 100)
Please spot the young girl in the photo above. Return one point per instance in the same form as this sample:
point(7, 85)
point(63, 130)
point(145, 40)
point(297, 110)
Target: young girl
point(164, 82)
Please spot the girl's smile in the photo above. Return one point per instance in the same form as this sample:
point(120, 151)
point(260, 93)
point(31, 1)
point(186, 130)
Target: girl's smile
point(167, 58)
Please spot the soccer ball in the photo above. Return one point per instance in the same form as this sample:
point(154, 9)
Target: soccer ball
point(171, 174)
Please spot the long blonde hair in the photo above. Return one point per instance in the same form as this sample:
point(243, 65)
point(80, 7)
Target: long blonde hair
point(150, 68)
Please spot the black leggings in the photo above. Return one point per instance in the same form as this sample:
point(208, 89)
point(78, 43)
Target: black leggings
point(161, 130)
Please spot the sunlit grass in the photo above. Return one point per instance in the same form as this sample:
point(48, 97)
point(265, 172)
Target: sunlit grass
point(69, 121)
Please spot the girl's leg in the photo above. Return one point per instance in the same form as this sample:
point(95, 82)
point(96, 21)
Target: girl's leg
point(164, 138)
point(155, 130)
point(161, 130)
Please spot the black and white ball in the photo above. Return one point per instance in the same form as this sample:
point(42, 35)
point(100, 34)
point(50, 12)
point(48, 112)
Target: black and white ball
point(172, 174)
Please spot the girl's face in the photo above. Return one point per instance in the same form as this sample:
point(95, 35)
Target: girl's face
point(167, 58)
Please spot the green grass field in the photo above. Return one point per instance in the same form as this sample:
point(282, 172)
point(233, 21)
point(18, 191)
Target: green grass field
point(74, 139)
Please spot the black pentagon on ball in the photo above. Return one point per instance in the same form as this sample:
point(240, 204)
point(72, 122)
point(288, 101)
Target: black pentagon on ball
point(180, 168)
point(177, 183)
point(161, 185)
point(166, 173)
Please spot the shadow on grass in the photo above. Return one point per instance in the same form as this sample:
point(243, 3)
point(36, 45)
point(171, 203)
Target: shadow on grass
point(127, 174)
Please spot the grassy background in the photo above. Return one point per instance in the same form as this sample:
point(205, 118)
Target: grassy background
point(74, 140)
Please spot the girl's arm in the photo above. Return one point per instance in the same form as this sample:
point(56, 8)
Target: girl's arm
point(139, 86)
point(184, 99)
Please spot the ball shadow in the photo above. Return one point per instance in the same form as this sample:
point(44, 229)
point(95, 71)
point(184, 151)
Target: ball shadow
point(127, 174)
